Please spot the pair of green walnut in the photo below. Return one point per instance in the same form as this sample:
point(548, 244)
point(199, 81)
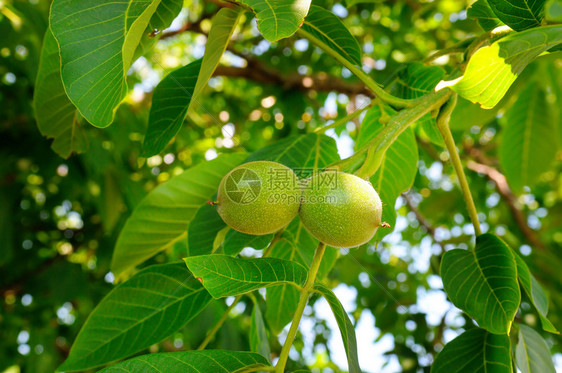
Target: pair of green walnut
point(338, 209)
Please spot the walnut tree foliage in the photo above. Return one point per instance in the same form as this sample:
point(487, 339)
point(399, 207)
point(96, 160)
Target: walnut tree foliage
point(119, 119)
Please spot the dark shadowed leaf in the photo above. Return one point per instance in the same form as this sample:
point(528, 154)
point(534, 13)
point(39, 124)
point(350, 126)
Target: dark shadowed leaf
point(519, 14)
point(192, 362)
point(203, 229)
point(483, 282)
point(56, 116)
point(235, 241)
point(142, 311)
point(475, 351)
point(170, 101)
point(162, 18)
point(483, 13)
point(223, 275)
point(258, 334)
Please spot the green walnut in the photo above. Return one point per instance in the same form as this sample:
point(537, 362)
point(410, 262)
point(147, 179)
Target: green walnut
point(340, 209)
point(259, 197)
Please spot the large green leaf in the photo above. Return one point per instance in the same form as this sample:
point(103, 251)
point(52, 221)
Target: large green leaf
point(224, 24)
point(192, 362)
point(97, 43)
point(223, 275)
point(519, 14)
point(417, 80)
point(492, 69)
point(328, 28)
point(347, 329)
point(483, 282)
point(398, 167)
point(535, 293)
point(532, 354)
point(529, 143)
point(142, 311)
point(170, 101)
point(475, 351)
point(235, 241)
point(56, 116)
point(258, 333)
point(278, 19)
point(163, 216)
point(483, 13)
point(203, 230)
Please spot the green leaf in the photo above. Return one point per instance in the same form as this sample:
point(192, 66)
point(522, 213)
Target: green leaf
point(56, 116)
point(166, 12)
point(170, 101)
point(475, 351)
point(535, 293)
point(140, 312)
point(301, 153)
point(192, 362)
point(398, 167)
point(532, 353)
point(417, 80)
point(347, 329)
point(553, 10)
point(224, 23)
point(483, 13)
point(492, 69)
point(235, 241)
point(258, 334)
point(528, 145)
point(163, 216)
point(467, 114)
point(97, 43)
point(483, 282)
point(278, 19)
point(519, 14)
point(223, 275)
point(203, 229)
point(328, 28)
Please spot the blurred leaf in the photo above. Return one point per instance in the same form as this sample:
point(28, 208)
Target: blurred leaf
point(398, 168)
point(6, 226)
point(553, 10)
point(532, 354)
point(97, 43)
point(170, 101)
point(492, 69)
point(483, 283)
point(278, 19)
point(223, 275)
point(192, 362)
point(203, 229)
point(56, 116)
point(163, 216)
point(142, 311)
point(347, 329)
point(235, 241)
point(467, 114)
point(483, 13)
point(529, 143)
point(258, 334)
point(417, 80)
point(535, 293)
point(224, 23)
point(329, 29)
point(475, 351)
point(519, 14)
